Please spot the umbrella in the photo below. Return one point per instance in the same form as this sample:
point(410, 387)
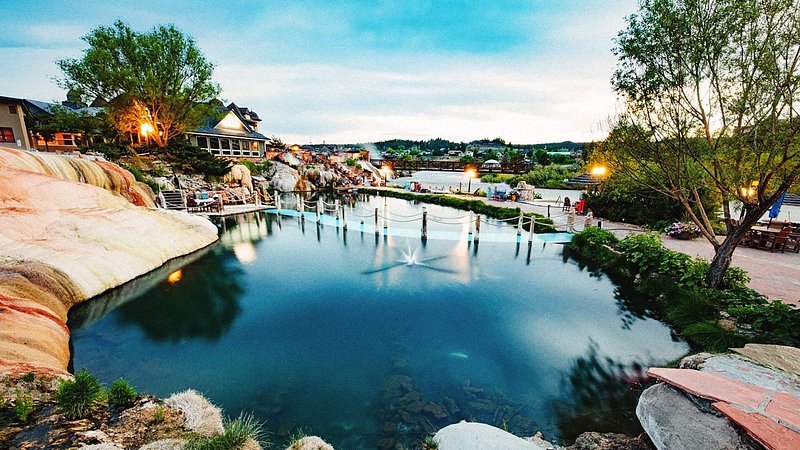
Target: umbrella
point(776, 208)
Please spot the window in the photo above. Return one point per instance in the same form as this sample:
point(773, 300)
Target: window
point(12, 109)
point(202, 142)
point(66, 139)
point(235, 144)
point(7, 135)
point(255, 147)
point(214, 142)
point(226, 144)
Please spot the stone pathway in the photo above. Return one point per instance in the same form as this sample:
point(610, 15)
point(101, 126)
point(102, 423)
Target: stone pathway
point(758, 393)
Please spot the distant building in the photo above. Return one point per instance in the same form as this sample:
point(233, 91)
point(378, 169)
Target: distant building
point(13, 131)
point(61, 140)
point(235, 135)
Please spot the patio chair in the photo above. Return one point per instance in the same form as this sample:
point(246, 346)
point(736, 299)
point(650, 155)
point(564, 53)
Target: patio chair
point(779, 240)
point(567, 204)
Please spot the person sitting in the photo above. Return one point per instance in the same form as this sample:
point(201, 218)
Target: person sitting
point(567, 204)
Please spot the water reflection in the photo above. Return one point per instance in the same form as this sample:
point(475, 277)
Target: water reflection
point(601, 393)
point(203, 304)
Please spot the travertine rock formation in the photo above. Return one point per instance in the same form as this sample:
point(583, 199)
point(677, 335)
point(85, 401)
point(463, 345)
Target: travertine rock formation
point(62, 242)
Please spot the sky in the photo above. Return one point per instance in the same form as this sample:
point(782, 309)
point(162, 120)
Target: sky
point(351, 71)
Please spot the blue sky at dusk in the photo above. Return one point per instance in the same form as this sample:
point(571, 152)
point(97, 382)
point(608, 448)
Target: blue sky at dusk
point(358, 71)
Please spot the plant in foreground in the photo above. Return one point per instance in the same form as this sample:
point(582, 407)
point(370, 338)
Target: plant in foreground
point(237, 432)
point(429, 443)
point(295, 437)
point(158, 413)
point(121, 393)
point(23, 407)
point(78, 397)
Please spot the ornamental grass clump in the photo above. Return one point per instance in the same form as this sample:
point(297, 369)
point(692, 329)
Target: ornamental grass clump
point(23, 407)
point(683, 230)
point(121, 393)
point(237, 432)
point(77, 398)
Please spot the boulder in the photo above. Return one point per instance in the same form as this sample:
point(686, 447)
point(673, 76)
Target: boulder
point(240, 175)
point(673, 420)
point(480, 436)
point(321, 178)
point(201, 416)
point(310, 443)
point(285, 179)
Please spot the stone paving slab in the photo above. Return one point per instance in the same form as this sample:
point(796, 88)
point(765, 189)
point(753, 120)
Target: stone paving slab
point(767, 432)
point(712, 387)
point(743, 369)
point(781, 357)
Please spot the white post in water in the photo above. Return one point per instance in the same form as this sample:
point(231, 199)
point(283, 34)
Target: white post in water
point(424, 223)
point(469, 236)
point(519, 226)
point(478, 228)
point(385, 218)
point(336, 209)
point(377, 230)
point(316, 211)
point(302, 206)
point(344, 216)
point(278, 203)
point(533, 225)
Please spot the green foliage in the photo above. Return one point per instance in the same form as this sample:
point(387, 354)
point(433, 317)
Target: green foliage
point(712, 337)
point(121, 393)
point(684, 307)
point(237, 432)
point(29, 377)
point(595, 245)
point(295, 437)
point(623, 201)
point(23, 407)
point(158, 413)
point(256, 168)
point(351, 162)
point(191, 159)
point(497, 177)
point(778, 318)
point(551, 176)
point(430, 443)
point(160, 73)
point(142, 178)
point(76, 398)
point(111, 151)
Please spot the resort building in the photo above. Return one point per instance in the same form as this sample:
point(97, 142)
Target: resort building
point(13, 131)
point(234, 135)
point(60, 140)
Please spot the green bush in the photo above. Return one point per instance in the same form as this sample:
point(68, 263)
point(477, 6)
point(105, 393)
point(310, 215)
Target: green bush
point(23, 407)
point(121, 393)
point(712, 337)
point(595, 245)
point(191, 159)
point(140, 177)
point(684, 307)
point(497, 178)
point(111, 152)
point(256, 168)
point(76, 398)
point(550, 176)
point(777, 318)
point(237, 432)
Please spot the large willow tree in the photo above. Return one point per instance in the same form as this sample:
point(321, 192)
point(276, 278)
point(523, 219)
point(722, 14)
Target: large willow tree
point(157, 81)
point(711, 89)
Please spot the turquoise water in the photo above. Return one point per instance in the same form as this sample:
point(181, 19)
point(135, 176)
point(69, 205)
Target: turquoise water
point(361, 338)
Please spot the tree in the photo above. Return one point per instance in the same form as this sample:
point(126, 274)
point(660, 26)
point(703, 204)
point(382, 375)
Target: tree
point(711, 90)
point(155, 81)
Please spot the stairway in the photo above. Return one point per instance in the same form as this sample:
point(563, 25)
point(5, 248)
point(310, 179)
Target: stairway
point(174, 199)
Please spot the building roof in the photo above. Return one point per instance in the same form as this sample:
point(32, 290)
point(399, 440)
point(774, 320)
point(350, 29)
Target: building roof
point(38, 107)
point(213, 131)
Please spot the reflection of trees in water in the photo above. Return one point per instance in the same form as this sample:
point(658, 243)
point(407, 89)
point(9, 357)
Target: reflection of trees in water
point(203, 304)
point(631, 302)
point(600, 395)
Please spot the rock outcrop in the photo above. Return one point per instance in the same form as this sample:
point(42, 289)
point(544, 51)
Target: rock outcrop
point(62, 242)
point(479, 436)
point(93, 171)
point(285, 179)
point(726, 401)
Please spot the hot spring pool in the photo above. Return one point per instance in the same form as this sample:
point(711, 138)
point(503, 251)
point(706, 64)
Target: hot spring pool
point(358, 338)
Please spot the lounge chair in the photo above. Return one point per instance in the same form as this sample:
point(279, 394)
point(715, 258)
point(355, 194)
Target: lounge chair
point(567, 204)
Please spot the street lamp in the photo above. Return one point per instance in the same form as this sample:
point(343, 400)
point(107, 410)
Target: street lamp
point(385, 170)
point(599, 171)
point(146, 129)
point(470, 173)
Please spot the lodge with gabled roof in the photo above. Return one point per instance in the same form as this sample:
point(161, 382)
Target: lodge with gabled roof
point(235, 135)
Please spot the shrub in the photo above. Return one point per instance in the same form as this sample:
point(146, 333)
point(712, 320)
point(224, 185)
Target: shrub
point(777, 318)
point(682, 229)
point(295, 437)
point(191, 159)
point(684, 307)
point(430, 443)
point(237, 432)
point(78, 397)
point(712, 337)
point(23, 407)
point(497, 178)
point(550, 176)
point(158, 413)
point(111, 152)
point(256, 168)
point(121, 393)
point(595, 245)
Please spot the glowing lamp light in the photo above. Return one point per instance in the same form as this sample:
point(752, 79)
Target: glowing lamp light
point(599, 171)
point(175, 277)
point(471, 173)
point(146, 129)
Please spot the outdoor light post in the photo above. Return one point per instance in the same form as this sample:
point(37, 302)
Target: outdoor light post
point(470, 173)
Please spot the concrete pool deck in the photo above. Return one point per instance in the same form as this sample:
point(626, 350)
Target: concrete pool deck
point(776, 275)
